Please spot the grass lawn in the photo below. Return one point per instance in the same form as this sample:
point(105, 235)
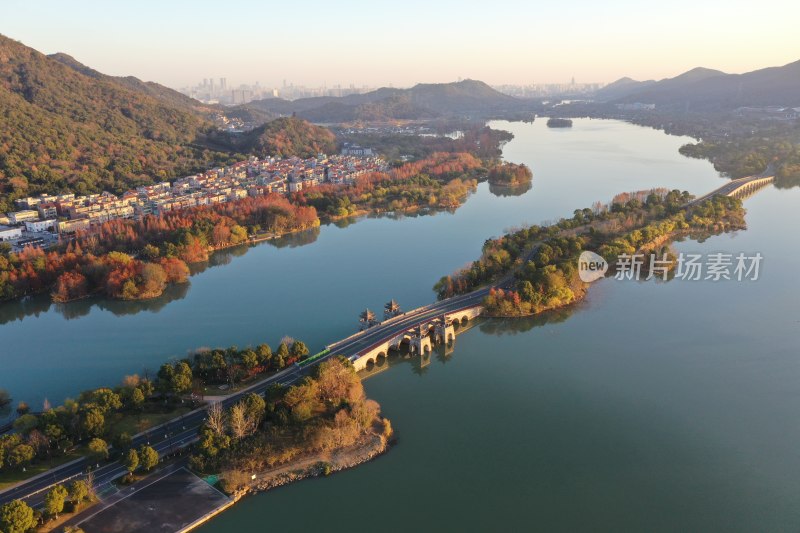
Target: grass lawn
point(12, 477)
point(133, 423)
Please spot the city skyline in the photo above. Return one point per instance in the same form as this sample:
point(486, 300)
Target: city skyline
point(317, 45)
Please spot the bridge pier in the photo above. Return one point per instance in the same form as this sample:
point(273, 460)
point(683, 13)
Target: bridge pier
point(444, 333)
point(420, 344)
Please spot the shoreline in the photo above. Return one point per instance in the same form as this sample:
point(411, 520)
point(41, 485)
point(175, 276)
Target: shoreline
point(369, 447)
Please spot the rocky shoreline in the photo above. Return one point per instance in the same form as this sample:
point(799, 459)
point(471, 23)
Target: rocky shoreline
point(372, 445)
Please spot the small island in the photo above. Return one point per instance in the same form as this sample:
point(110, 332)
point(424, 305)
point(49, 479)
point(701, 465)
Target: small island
point(559, 123)
point(510, 174)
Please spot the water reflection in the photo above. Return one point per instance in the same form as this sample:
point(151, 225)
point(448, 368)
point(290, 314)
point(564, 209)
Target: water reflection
point(294, 240)
point(41, 303)
point(510, 190)
point(512, 326)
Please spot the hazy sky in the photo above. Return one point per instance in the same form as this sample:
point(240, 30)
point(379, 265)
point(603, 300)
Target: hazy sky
point(379, 43)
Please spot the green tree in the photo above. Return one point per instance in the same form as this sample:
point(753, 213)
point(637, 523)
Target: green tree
point(264, 353)
point(78, 491)
point(249, 359)
point(136, 398)
point(93, 422)
point(21, 455)
point(54, 501)
point(165, 374)
point(255, 407)
point(182, 378)
point(123, 441)
point(26, 423)
point(131, 461)
point(148, 458)
point(98, 449)
point(16, 517)
point(104, 398)
point(283, 350)
point(299, 349)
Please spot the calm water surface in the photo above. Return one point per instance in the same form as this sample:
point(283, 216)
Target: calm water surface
point(314, 286)
point(649, 407)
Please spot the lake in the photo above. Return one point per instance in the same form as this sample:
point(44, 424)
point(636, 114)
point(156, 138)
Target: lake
point(650, 406)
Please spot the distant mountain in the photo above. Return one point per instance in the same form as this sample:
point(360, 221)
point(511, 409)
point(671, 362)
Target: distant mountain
point(707, 89)
point(465, 98)
point(621, 87)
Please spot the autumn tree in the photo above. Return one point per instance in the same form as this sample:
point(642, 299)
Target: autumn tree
point(148, 458)
point(131, 461)
point(54, 501)
point(16, 517)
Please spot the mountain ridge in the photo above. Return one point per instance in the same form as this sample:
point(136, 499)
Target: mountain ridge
point(708, 89)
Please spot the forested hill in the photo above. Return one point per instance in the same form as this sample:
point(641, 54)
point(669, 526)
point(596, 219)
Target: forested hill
point(67, 127)
point(287, 137)
point(149, 88)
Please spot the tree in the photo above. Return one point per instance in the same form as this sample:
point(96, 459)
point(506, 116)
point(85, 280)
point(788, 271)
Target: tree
point(131, 461)
point(215, 421)
point(54, 501)
point(148, 458)
point(16, 517)
point(264, 353)
point(182, 379)
point(337, 382)
point(249, 359)
point(98, 449)
point(241, 425)
point(123, 441)
point(93, 422)
point(283, 350)
point(78, 491)
point(23, 408)
point(104, 398)
point(165, 374)
point(255, 407)
point(21, 455)
point(299, 349)
point(137, 398)
point(26, 423)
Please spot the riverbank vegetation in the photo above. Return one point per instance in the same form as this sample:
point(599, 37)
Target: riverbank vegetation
point(753, 155)
point(324, 412)
point(135, 260)
point(538, 264)
point(104, 417)
point(442, 180)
